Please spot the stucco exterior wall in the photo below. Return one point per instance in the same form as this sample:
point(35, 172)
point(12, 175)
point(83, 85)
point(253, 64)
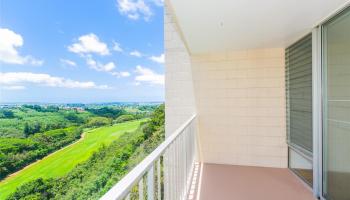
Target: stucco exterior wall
point(240, 98)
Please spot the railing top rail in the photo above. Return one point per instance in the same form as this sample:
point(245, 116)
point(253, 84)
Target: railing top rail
point(123, 187)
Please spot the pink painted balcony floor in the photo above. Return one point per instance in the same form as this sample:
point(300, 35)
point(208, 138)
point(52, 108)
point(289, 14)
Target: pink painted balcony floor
point(229, 182)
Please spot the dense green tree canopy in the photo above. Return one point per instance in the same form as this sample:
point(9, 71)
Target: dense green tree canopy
point(94, 177)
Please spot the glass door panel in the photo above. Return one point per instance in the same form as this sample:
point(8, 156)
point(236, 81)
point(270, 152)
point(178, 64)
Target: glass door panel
point(336, 118)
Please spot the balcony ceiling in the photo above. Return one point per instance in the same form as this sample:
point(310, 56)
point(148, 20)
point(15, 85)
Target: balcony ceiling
point(226, 25)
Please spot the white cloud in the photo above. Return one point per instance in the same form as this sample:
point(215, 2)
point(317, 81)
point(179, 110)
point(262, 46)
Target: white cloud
point(89, 43)
point(148, 76)
point(121, 74)
point(9, 44)
point(16, 79)
point(68, 62)
point(99, 66)
point(117, 47)
point(124, 74)
point(109, 67)
point(159, 59)
point(136, 53)
point(158, 2)
point(134, 9)
point(13, 87)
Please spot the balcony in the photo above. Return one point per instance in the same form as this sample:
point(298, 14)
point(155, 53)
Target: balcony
point(227, 182)
point(172, 171)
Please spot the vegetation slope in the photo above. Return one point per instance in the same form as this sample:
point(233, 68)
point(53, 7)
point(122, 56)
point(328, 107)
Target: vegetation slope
point(61, 162)
point(105, 167)
point(30, 132)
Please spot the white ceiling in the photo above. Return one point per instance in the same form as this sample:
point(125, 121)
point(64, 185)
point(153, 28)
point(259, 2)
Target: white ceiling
point(224, 25)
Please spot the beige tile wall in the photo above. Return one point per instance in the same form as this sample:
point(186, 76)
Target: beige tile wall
point(179, 93)
point(240, 98)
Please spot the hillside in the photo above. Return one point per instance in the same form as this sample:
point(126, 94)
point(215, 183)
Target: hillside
point(105, 167)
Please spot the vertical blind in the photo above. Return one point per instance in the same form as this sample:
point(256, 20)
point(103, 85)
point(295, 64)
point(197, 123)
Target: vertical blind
point(298, 58)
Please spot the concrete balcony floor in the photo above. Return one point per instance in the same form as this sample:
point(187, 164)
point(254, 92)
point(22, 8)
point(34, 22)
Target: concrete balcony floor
point(228, 182)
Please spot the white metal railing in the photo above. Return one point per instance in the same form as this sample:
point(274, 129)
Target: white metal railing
point(165, 173)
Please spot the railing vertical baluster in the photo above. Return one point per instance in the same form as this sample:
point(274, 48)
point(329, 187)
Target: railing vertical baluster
point(175, 172)
point(159, 185)
point(180, 166)
point(184, 174)
point(171, 168)
point(173, 196)
point(172, 165)
point(174, 162)
point(166, 174)
point(182, 162)
point(187, 152)
point(167, 171)
point(177, 168)
point(150, 183)
point(192, 147)
point(186, 159)
point(141, 189)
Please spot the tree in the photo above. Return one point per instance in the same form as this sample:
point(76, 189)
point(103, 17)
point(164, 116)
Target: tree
point(36, 189)
point(105, 167)
point(26, 130)
point(106, 112)
point(73, 117)
point(157, 120)
point(37, 127)
point(7, 114)
point(124, 118)
point(98, 121)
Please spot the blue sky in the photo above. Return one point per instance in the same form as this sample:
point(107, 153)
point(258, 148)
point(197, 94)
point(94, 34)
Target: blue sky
point(81, 51)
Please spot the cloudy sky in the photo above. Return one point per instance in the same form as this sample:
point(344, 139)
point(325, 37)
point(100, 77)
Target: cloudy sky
point(81, 51)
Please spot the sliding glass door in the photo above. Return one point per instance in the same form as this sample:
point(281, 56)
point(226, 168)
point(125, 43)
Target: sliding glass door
point(336, 100)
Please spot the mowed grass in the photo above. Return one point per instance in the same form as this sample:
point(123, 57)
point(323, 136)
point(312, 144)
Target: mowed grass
point(62, 161)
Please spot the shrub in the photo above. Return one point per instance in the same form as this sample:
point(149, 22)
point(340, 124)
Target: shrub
point(98, 121)
point(123, 118)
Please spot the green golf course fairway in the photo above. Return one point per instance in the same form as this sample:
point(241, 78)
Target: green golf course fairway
point(62, 161)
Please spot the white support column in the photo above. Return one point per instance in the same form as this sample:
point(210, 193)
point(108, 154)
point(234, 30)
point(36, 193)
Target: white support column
point(317, 110)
